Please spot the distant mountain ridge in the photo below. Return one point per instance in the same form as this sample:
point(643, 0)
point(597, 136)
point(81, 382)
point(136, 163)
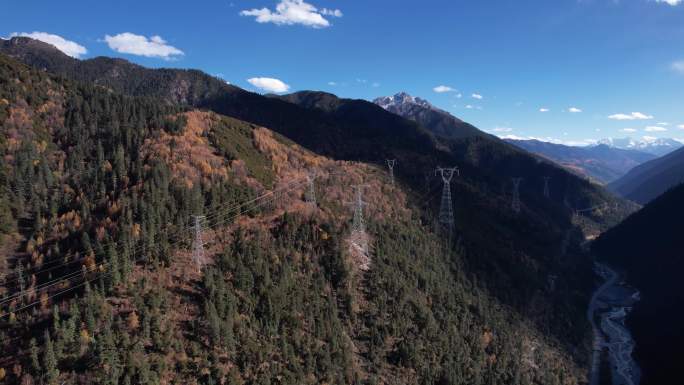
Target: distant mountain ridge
point(647, 181)
point(601, 162)
point(655, 146)
point(439, 122)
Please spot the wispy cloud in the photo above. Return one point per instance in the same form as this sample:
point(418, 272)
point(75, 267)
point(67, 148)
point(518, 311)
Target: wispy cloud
point(69, 47)
point(670, 2)
point(574, 110)
point(472, 107)
point(291, 12)
point(139, 45)
point(678, 66)
point(544, 109)
point(655, 129)
point(442, 89)
point(477, 96)
point(332, 84)
point(681, 126)
point(628, 130)
point(502, 129)
point(630, 116)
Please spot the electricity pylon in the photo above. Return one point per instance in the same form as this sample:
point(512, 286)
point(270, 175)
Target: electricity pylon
point(359, 238)
point(547, 193)
point(390, 165)
point(515, 205)
point(311, 190)
point(446, 210)
point(197, 242)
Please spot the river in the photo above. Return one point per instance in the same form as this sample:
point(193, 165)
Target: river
point(607, 311)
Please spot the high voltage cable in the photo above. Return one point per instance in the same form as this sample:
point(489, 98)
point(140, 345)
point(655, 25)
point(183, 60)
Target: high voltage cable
point(140, 248)
point(103, 245)
point(109, 272)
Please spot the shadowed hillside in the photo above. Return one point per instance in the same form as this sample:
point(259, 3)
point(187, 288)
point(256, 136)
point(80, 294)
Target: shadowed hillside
point(648, 247)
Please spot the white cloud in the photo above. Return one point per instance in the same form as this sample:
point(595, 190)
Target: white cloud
point(514, 137)
point(441, 89)
point(69, 47)
point(670, 2)
point(649, 138)
point(332, 83)
point(655, 129)
point(502, 129)
point(477, 96)
point(678, 66)
point(631, 116)
point(269, 84)
point(139, 45)
point(663, 123)
point(459, 95)
point(290, 12)
point(331, 12)
point(574, 109)
point(628, 130)
point(543, 109)
point(681, 126)
point(472, 107)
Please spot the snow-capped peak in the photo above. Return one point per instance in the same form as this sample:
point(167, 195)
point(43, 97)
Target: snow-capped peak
point(401, 99)
point(653, 145)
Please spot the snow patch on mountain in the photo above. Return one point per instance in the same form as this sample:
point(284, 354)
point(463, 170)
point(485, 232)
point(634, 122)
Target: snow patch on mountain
point(652, 145)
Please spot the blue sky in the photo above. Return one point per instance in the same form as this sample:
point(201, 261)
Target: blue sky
point(620, 62)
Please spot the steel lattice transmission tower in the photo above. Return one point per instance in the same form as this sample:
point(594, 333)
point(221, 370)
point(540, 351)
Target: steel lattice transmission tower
point(359, 238)
point(390, 165)
point(198, 242)
point(547, 193)
point(515, 205)
point(446, 210)
point(311, 189)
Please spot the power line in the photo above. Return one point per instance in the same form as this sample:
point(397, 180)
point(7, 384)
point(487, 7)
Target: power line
point(515, 204)
point(390, 165)
point(198, 243)
point(446, 210)
point(140, 248)
point(359, 238)
point(547, 193)
point(109, 272)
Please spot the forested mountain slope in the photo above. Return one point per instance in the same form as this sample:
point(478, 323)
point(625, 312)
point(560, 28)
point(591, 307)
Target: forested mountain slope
point(280, 296)
point(647, 181)
point(648, 247)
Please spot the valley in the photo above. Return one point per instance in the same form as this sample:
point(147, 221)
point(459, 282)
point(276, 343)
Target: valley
point(163, 226)
point(111, 280)
point(613, 344)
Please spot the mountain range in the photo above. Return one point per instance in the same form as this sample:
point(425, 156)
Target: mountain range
point(649, 180)
point(602, 163)
point(655, 146)
point(107, 164)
